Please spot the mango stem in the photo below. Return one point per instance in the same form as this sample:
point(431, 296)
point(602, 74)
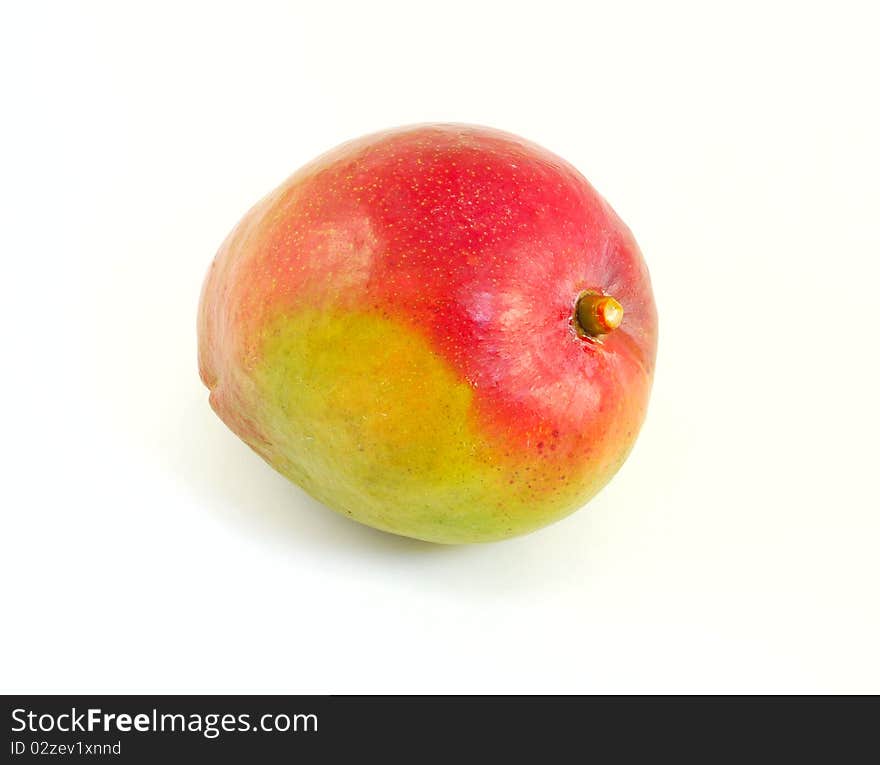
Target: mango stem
point(597, 315)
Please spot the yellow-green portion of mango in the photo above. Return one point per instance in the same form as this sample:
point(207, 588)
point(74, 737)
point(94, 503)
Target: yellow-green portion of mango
point(357, 410)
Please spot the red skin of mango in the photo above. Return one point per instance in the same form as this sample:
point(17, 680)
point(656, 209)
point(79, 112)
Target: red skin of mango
point(478, 244)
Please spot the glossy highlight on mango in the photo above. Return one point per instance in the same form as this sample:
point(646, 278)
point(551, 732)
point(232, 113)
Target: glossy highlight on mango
point(441, 331)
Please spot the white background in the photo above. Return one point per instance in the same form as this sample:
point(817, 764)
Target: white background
point(144, 548)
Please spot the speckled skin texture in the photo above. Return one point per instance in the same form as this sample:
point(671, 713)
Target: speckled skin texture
point(392, 330)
